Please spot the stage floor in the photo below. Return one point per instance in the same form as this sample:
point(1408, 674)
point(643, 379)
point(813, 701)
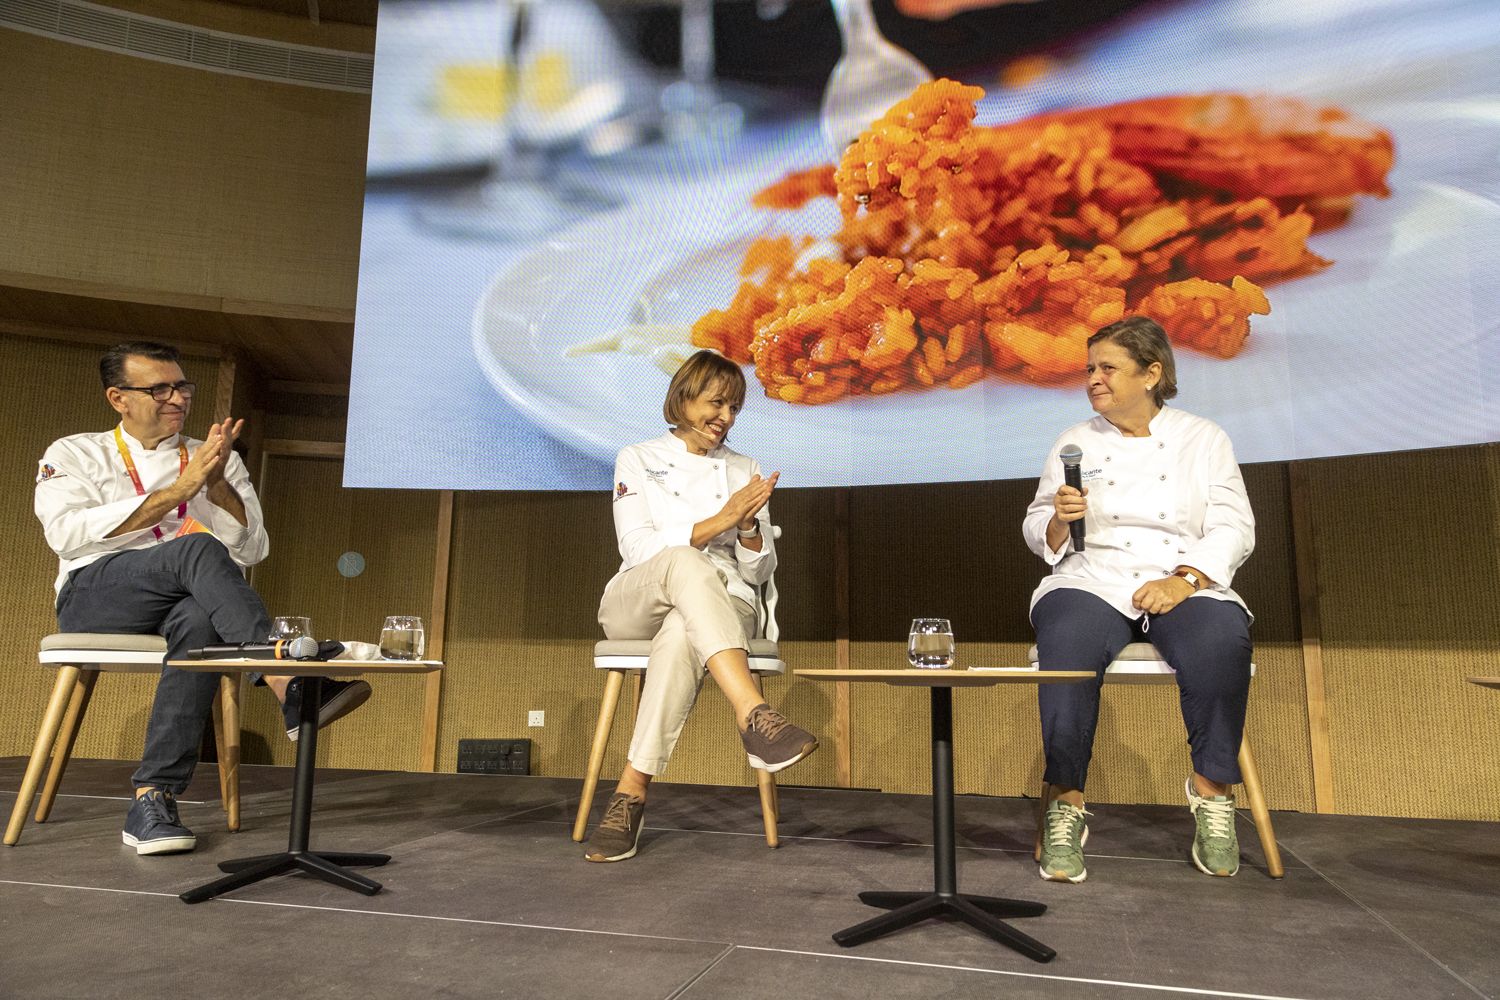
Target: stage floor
point(486, 896)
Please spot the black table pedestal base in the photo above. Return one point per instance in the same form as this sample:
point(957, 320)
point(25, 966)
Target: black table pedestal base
point(980, 912)
point(326, 865)
point(983, 913)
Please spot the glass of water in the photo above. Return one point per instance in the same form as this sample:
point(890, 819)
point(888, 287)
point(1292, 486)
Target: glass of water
point(403, 637)
point(931, 644)
point(290, 627)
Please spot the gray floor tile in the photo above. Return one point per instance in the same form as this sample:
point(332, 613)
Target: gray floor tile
point(1436, 883)
point(130, 946)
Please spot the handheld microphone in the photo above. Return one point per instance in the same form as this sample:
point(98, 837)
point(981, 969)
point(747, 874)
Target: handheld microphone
point(1072, 458)
point(302, 647)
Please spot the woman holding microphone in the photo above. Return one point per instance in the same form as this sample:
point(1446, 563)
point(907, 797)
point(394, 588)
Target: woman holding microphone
point(1167, 526)
point(694, 532)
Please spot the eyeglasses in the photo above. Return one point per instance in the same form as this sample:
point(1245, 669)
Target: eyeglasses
point(162, 391)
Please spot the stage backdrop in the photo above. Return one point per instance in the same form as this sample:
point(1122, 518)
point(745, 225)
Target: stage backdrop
point(551, 222)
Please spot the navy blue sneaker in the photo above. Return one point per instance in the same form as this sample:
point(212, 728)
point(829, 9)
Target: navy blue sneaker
point(339, 699)
point(152, 826)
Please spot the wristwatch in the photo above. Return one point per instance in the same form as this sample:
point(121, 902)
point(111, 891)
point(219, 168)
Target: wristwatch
point(1190, 577)
point(750, 532)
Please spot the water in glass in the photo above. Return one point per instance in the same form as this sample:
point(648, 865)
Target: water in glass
point(931, 645)
point(403, 637)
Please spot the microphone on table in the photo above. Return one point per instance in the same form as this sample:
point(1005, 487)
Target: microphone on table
point(303, 647)
point(1072, 458)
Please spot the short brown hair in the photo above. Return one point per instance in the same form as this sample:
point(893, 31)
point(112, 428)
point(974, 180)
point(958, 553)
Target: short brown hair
point(697, 374)
point(1146, 343)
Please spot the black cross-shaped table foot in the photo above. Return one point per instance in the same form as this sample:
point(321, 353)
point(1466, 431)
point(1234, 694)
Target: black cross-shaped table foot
point(326, 865)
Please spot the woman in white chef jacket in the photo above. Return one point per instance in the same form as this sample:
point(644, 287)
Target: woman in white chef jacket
point(694, 533)
point(1167, 525)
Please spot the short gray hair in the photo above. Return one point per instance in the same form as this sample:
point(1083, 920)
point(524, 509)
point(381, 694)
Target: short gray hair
point(1146, 343)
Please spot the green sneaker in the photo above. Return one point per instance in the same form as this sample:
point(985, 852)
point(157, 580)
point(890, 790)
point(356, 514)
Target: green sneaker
point(1063, 835)
point(1216, 849)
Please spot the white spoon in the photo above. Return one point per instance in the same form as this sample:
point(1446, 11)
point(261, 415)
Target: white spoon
point(872, 75)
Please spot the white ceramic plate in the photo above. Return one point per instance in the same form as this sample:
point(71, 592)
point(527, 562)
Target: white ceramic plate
point(1415, 277)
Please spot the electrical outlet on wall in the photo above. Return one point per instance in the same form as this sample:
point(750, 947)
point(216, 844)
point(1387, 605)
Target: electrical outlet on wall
point(536, 718)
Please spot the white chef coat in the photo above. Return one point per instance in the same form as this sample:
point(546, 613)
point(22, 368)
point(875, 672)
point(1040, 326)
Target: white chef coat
point(1175, 498)
point(83, 492)
point(662, 490)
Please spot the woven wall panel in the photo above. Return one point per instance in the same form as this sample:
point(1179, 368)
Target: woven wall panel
point(313, 520)
point(951, 550)
point(259, 180)
point(524, 589)
point(300, 417)
point(48, 390)
point(1408, 549)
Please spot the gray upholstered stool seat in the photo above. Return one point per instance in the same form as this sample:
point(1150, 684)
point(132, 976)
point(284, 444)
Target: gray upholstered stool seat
point(612, 654)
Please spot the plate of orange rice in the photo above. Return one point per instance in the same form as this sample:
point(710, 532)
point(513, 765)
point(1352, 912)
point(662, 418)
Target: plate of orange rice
point(919, 311)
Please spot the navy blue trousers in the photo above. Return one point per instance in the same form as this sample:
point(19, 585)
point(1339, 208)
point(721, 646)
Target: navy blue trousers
point(1207, 641)
point(192, 594)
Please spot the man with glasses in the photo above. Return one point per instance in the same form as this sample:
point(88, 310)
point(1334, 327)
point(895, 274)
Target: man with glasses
point(152, 530)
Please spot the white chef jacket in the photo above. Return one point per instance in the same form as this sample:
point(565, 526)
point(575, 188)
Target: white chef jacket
point(662, 490)
point(83, 492)
point(1175, 498)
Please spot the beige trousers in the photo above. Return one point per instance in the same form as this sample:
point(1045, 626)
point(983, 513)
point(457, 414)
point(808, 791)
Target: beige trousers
point(678, 600)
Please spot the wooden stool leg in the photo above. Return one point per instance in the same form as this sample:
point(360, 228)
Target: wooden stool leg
point(612, 685)
point(218, 718)
point(1259, 812)
point(767, 782)
point(62, 694)
point(769, 808)
point(62, 750)
point(229, 747)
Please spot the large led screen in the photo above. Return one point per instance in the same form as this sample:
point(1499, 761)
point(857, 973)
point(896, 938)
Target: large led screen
point(566, 198)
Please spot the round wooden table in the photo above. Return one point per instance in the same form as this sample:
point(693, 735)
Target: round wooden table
point(981, 912)
point(326, 865)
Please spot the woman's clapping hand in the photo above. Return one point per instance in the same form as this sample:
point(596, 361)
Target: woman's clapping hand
point(747, 501)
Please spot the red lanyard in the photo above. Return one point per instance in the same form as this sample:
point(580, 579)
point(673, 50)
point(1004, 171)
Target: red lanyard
point(135, 477)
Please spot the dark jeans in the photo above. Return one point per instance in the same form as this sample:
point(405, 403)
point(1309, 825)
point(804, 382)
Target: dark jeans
point(1207, 641)
point(189, 592)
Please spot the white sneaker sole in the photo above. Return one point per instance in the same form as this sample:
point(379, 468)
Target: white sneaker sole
point(761, 765)
point(164, 845)
point(619, 857)
point(1205, 869)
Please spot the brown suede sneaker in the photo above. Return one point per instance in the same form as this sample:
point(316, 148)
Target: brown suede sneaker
point(773, 743)
point(618, 833)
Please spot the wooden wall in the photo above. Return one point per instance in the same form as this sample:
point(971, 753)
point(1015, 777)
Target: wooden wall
point(169, 174)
